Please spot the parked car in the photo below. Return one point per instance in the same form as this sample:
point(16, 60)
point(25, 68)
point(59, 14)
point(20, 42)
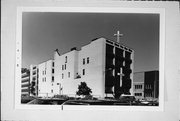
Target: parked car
point(130, 99)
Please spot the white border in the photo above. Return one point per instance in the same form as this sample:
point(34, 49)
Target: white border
point(159, 11)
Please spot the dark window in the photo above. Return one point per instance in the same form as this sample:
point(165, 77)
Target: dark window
point(66, 59)
point(62, 76)
point(138, 94)
point(68, 74)
point(62, 67)
point(52, 78)
point(87, 60)
point(65, 67)
point(51, 91)
point(52, 70)
point(83, 61)
point(52, 64)
point(34, 78)
point(34, 67)
point(83, 71)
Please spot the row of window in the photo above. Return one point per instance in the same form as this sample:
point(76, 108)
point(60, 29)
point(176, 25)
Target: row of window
point(138, 94)
point(69, 74)
point(44, 79)
point(84, 61)
point(44, 72)
point(64, 67)
point(148, 86)
point(148, 95)
point(138, 86)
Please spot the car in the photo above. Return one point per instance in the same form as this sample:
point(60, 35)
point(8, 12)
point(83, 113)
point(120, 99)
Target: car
point(130, 99)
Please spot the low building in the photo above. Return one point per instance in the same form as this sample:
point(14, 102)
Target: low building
point(151, 85)
point(146, 85)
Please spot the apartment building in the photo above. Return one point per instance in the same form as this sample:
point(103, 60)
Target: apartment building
point(25, 82)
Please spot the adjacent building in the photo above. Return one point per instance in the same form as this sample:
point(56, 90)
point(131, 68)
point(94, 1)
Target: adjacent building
point(138, 85)
point(146, 85)
point(25, 82)
point(34, 77)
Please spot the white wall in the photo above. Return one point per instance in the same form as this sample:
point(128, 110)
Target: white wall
point(94, 70)
point(68, 84)
point(172, 62)
point(45, 84)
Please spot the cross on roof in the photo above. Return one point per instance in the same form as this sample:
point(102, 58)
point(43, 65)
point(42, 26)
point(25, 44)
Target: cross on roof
point(118, 36)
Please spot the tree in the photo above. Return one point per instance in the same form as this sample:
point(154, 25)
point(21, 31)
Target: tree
point(83, 89)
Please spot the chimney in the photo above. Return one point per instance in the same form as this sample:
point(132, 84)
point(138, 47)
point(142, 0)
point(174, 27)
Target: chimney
point(74, 48)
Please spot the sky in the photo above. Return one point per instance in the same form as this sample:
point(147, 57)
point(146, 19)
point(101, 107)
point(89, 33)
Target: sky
point(43, 32)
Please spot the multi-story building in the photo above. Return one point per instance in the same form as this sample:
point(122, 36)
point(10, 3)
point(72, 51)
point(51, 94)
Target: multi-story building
point(138, 85)
point(34, 80)
point(151, 84)
point(106, 66)
point(25, 82)
point(146, 85)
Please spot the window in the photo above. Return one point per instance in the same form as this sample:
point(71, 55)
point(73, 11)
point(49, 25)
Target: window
point(66, 59)
point(42, 79)
point(138, 94)
point(69, 74)
point(83, 71)
point(87, 60)
point(52, 78)
point(62, 67)
point(52, 70)
point(52, 64)
point(34, 78)
point(138, 86)
point(51, 91)
point(65, 67)
point(83, 61)
point(45, 79)
point(62, 76)
point(34, 67)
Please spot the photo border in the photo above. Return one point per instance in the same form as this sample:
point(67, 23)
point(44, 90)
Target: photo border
point(20, 10)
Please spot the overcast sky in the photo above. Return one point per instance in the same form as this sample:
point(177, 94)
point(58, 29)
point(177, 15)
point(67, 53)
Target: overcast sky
point(42, 33)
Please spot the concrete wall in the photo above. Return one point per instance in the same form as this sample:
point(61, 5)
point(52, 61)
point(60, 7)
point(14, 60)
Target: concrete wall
point(94, 71)
point(45, 84)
